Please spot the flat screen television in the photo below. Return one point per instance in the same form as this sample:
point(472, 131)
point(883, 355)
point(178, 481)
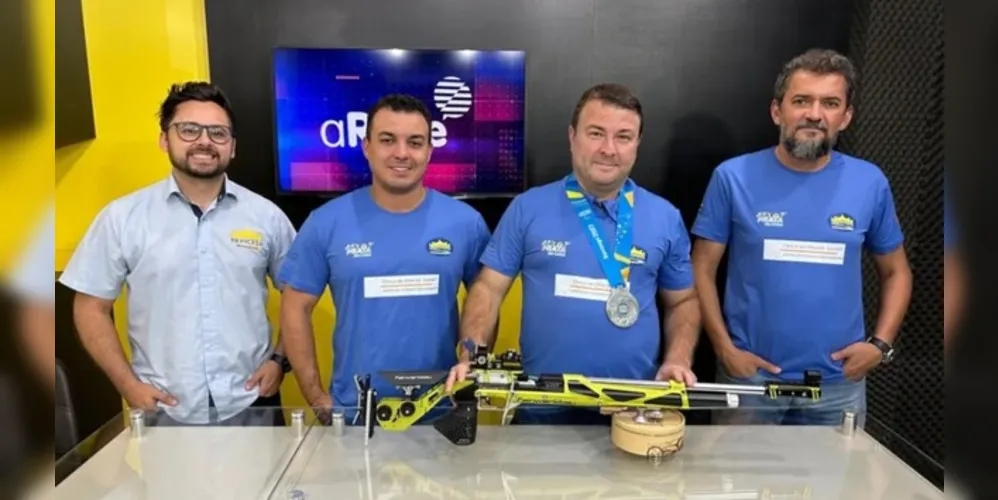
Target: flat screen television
point(476, 99)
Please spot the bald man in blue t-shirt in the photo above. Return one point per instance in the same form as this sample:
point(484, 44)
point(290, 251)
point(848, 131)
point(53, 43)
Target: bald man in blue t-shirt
point(596, 252)
point(794, 220)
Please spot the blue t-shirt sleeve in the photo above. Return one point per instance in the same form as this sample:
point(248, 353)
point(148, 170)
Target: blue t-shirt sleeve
point(504, 252)
point(98, 266)
point(306, 266)
point(713, 221)
point(676, 270)
point(476, 247)
point(885, 233)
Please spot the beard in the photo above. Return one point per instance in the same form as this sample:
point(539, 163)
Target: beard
point(809, 149)
point(183, 161)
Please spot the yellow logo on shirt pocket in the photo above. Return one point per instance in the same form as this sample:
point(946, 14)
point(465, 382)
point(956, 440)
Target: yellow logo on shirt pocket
point(439, 246)
point(247, 238)
point(842, 222)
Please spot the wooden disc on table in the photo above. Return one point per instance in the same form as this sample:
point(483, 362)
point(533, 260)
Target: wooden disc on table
point(656, 435)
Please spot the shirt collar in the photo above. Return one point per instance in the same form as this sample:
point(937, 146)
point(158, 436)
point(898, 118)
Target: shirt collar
point(609, 204)
point(228, 189)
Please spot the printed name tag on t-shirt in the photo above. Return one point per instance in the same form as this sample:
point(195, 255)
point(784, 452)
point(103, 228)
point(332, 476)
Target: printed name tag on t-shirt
point(808, 252)
point(578, 287)
point(413, 285)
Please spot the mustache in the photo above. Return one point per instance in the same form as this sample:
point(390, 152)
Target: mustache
point(808, 124)
point(202, 150)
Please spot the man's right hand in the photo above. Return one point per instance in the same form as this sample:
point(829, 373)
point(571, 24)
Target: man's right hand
point(743, 364)
point(145, 397)
point(457, 374)
point(322, 406)
point(323, 401)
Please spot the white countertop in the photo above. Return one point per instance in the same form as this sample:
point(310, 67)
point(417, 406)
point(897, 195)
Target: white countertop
point(717, 462)
point(184, 463)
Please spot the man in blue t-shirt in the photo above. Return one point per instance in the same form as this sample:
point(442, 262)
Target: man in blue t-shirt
point(393, 255)
point(794, 220)
point(595, 253)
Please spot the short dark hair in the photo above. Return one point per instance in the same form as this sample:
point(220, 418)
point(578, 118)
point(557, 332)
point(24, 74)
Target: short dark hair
point(821, 62)
point(193, 91)
point(613, 94)
point(400, 103)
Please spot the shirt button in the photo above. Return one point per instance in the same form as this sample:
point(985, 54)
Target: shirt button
point(204, 250)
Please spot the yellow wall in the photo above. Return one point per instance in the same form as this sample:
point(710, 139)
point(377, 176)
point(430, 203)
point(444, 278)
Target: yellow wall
point(134, 54)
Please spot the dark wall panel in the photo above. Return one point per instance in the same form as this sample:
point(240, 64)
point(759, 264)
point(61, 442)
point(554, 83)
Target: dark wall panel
point(899, 126)
point(705, 72)
point(74, 112)
point(19, 99)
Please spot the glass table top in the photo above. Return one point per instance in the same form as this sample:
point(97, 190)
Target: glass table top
point(313, 455)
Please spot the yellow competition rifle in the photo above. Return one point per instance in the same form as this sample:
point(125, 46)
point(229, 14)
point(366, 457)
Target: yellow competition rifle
point(501, 377)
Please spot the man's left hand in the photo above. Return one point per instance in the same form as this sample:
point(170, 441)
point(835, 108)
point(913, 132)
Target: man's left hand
point(268, 378)
point(678, 372)
point(859, 358)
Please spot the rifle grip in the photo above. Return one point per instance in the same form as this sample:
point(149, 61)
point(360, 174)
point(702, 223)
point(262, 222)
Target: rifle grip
point(460, 426)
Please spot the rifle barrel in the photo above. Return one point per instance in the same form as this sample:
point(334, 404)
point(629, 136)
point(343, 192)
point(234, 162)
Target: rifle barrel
point(699, 387)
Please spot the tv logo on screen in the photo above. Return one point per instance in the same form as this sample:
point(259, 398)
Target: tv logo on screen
point(453, 97)
point(335, 133)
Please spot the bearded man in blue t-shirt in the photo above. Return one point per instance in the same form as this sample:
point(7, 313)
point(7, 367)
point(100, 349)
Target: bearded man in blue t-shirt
point(794, 220)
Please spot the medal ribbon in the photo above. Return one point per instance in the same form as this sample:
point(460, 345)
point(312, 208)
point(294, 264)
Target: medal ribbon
point(616, 266)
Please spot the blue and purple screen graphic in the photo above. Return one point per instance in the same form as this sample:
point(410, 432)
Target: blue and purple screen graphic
point(476, 99)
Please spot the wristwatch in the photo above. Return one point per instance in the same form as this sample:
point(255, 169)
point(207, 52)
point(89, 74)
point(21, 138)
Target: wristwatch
point(282, 361)
point(887, 350)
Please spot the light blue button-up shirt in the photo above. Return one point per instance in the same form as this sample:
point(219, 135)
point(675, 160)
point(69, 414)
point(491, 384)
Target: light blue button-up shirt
point(197, 290)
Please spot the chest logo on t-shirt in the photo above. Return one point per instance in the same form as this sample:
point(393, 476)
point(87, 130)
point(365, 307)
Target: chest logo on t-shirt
point(358, 250)
point(439, 246)
point(555, 248)
point(638, 256)
point(842, 222)
point(247, 238)
point(770, 219)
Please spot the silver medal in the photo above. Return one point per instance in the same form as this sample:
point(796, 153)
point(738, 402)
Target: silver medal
point(622, 308)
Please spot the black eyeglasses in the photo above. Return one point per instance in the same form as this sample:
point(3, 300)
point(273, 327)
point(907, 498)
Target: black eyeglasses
point(190, 132)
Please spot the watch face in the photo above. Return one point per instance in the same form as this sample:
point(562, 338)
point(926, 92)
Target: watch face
point(888, 355)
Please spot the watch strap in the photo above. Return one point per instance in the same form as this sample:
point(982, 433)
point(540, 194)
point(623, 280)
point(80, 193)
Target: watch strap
point(281, 360)
point(886, 349)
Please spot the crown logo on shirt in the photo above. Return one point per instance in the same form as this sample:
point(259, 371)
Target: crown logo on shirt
point(439, 247)
point(842, 222)
point(638, 255)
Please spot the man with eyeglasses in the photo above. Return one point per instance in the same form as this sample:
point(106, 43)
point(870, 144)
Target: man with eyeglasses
point(195, 250)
